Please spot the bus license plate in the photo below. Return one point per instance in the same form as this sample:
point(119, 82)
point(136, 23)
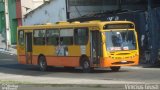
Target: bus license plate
point(123, 61)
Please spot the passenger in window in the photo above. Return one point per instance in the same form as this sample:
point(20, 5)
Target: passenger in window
point(65, 51)
point(57, 41)
point(61, 41)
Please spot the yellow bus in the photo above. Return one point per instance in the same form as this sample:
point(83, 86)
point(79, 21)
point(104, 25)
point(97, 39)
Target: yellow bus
point(92, 44)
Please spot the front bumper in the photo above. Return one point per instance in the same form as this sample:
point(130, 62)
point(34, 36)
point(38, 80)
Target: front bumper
point(108, 61)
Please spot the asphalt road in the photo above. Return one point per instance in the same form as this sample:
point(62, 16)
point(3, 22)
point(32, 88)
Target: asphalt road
point(9, 65)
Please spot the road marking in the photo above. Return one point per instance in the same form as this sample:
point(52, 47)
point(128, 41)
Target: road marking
point(7, 59)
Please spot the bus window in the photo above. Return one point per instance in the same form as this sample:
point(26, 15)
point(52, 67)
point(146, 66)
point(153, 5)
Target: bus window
point(52, 37)
point(66, 40)
point(121, 40)
point(81, 36)
point(66, 37)
point(21, 37)
point(39, 37)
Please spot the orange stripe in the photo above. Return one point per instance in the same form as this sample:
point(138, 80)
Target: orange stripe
point(51, 56)
point(63, 61)
point(22, 59)
point(53, 60)
point(35, 60)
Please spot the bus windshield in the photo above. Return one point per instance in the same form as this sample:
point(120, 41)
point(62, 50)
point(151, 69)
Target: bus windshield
point(120, 40)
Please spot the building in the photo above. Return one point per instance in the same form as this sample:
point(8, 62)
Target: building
point(17, 9)
point(12, 19)
point(29, 5)
point(51, 11)
point(62, 10)
point(2, 18)
point(145, 14)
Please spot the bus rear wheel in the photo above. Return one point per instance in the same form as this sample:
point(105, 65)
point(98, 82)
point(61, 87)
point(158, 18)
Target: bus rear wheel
point(86, 66)
point(115, 69)
point(42, 63)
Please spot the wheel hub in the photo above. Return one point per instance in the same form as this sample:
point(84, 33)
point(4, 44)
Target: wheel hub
point(86, 64)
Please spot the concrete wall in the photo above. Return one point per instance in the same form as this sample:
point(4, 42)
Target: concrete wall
point(50, 12)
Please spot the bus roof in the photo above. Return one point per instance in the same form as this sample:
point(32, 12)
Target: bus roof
point(72, 24)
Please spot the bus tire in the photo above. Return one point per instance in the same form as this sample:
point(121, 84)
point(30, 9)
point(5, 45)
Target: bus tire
point(86, 66)
point(42, 63)
point(115, 69)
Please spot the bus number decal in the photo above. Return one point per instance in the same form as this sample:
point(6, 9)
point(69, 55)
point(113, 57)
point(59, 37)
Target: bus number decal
point(62, 51)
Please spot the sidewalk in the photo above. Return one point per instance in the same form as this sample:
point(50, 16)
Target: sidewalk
point(60, 80)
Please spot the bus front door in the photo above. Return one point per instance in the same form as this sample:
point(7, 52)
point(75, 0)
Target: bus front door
point(28, 39)
point(95, 47)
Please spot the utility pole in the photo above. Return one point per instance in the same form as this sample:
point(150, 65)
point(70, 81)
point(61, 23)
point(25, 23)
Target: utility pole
point(8, 39)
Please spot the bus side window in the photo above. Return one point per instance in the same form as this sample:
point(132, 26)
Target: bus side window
point(52, 37)
point(21, 37)
point(66, 40)
point(39, 37)
point(61, 41)
point(81, 36)
point(66, 36)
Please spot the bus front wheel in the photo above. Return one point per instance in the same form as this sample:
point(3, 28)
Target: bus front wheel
point(115, 69)
point(42, 63)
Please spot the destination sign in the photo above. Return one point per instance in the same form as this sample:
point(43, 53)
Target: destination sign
point(118, 26)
